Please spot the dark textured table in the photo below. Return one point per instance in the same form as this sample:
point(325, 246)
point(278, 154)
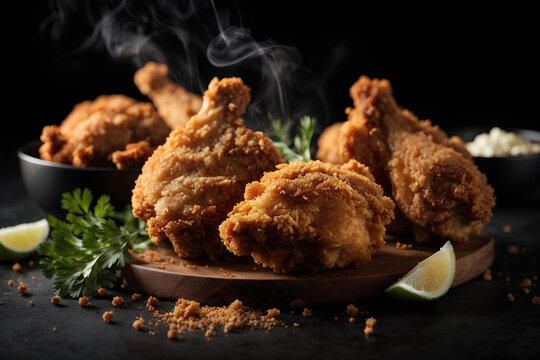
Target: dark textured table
point(474, 320)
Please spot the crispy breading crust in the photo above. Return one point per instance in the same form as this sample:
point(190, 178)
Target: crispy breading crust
point(309, 215)
point(189, 184)
point(94, 130)
point(432, 179)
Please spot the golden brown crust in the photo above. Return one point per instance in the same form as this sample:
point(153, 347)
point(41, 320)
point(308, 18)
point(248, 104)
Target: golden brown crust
point(95, 130)
point(432, 179)
point(134, 156)
point(189, 184)
point(309, 215)
point(174, 103)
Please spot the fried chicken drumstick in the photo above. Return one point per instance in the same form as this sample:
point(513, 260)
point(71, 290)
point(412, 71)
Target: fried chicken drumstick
point(189, 184)
point(112, 130)
point(432, 179)
point(174, 103)
point(309, 215)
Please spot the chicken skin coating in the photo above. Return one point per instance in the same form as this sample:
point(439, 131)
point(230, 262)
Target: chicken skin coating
point(94, 130)
point(190, 183)
point(310, 215)
point(174, 103)
point(432, 179)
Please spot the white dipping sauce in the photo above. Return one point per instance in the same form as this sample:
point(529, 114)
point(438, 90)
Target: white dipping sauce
point(500, 143)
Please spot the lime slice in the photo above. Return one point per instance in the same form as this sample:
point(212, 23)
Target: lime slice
point(429, 280)
point(20, 241)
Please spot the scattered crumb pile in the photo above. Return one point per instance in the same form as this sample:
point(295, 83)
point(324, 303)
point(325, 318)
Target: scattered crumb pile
point(189, 315)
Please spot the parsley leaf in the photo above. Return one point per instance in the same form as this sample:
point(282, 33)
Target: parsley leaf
point(86, 252)
point(301, 143)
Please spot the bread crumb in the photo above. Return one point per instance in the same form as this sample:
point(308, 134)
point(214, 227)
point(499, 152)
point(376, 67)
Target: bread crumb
point(16, 267)
point(136, 297)
point(511, 297)
point(226, 272)
point(107, 316)
point(403, 246)
point(172, 261)
point(352, 320)
point(117, 301)
point(370, 323)
point(32, 304)
point(336, 318)
point(526, 291)
point(535, 300)
point(10, 282)
point(152, 301)
point(487, 275)
point(272, 313)
point(54, 328)
point(526, 283)
point(84, 302)
point(297, 303)
point(102, 291)
point(151, 308)
point(535, 277)
point(31, 263)
point(296, 324)
point(507, 228)
point(152, 255)
point(171, 334)
point(306, 313)
point(513, 250)
point(138, 323)
point(507, 279)
point(34, 278)
point(22, 288)
point(55, 300)
point(352, 310)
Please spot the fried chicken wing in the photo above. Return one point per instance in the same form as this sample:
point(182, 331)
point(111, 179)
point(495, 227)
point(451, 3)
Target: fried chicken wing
point(309, 215)
point(189, 184)
point(93, 131)
point(432, 179)
point(174, 103)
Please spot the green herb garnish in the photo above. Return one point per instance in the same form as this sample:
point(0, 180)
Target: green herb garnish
point(87, 251)
point(301, 143)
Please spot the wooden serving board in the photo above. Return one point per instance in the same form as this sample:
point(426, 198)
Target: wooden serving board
point(220, 283)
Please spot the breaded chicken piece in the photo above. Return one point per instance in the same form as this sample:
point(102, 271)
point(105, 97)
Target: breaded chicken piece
point(189, 184)
point(82, 111)
point(174, 103)
point(311, 215)
point(95, 130)
point(134, 156)
point(327, 144)
point(432, 179)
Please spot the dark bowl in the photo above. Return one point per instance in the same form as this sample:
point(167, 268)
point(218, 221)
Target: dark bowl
point(515, 179)
point(46, 181)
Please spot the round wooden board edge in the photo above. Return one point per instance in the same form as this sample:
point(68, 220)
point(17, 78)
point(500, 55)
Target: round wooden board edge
point(222, 291)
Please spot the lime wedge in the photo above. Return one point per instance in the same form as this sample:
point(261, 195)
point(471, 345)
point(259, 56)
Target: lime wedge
point(20, 241)
point(429, 280)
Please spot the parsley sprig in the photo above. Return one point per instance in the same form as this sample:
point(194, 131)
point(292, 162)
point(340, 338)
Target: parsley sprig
point(87, 251)
point(301, 143)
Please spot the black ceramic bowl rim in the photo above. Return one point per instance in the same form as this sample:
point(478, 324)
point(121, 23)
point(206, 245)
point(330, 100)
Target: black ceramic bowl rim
point(23, 154)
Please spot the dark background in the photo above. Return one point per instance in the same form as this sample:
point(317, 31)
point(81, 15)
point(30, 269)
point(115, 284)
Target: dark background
point(455, 65)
